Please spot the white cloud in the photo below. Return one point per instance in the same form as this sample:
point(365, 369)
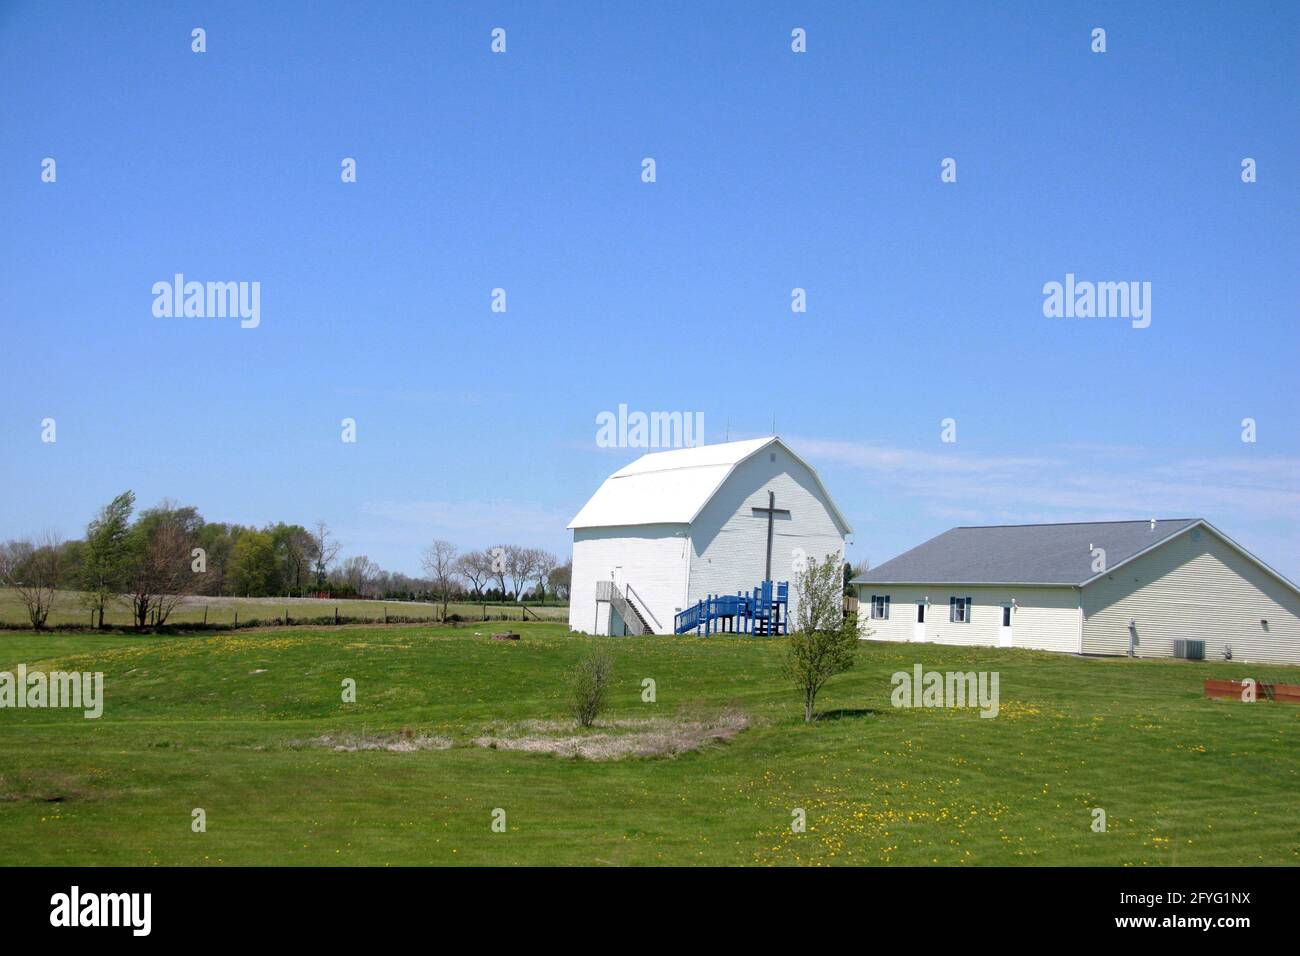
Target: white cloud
point(953, 459)
point(1075, 481)
point(1252, 497)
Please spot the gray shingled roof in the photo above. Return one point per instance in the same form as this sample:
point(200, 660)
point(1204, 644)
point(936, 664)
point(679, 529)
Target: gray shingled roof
point(1022, 553)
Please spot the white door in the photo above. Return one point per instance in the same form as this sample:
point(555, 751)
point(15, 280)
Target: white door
point(918, 629)
point(1004, 627)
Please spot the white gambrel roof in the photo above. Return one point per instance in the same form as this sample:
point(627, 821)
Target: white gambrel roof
point(672, 487)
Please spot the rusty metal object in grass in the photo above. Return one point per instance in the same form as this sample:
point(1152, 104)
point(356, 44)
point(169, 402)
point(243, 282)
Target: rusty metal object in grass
point(1240, 690)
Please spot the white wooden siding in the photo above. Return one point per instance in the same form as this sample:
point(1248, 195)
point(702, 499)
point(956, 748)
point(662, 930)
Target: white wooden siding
point(729, 541)
point(653, 558)
point(1198, 586)
point(1045, 618)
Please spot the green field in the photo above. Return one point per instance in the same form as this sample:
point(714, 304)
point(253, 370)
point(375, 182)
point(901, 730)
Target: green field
point(68, 608)
point(231, 723)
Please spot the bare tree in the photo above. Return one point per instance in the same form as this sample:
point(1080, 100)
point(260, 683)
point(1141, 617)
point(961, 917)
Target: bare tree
point(154, 581)
point(499, 561)
point(521, 566)
point(358, 571)
point(476, 568)
point(546, 565)
point(158, 568)
point(440, 564)
point(561, 580)
point(32, 569)
point(324, 549)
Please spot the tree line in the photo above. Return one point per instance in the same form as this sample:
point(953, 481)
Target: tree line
point(150, 560)
point(502, 572)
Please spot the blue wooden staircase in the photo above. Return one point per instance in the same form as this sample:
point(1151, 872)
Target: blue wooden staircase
point(763, 612)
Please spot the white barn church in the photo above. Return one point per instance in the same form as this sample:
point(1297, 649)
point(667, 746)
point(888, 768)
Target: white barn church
point(675, 526)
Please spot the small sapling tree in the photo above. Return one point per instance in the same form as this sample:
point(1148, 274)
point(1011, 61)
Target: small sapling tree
point(589, 685)
point(825, 640)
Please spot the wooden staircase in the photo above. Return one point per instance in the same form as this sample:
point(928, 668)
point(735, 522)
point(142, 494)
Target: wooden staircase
point(618, 600)
point(764, 612)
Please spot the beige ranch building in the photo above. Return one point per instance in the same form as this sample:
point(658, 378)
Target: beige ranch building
point(1172, 588)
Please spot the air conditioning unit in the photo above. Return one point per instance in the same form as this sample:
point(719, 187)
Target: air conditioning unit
point(1189, 650)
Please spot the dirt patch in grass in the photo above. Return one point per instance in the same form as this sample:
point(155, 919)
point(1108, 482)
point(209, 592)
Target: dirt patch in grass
point(616, 739)
point(48, 787)
point(402, 743)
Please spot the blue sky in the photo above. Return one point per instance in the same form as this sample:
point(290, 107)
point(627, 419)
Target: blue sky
point(775, 170)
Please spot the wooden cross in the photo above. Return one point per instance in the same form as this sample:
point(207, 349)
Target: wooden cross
point(771, 511)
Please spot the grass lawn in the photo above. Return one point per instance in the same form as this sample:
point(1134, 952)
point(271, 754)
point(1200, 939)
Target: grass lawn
point(68, 609)
point(190, 722)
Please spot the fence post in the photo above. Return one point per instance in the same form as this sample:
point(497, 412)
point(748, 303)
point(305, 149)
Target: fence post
point(205, 615)
point(236, 620)
point(385, 613)
point(336, 615)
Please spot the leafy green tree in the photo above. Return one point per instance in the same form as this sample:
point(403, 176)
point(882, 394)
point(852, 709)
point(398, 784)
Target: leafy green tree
point(852, 571)
point(254, 568)
point(294, 548)
point(107, 554)
point(825, 639)
point(217, 540)
point(72, 564)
